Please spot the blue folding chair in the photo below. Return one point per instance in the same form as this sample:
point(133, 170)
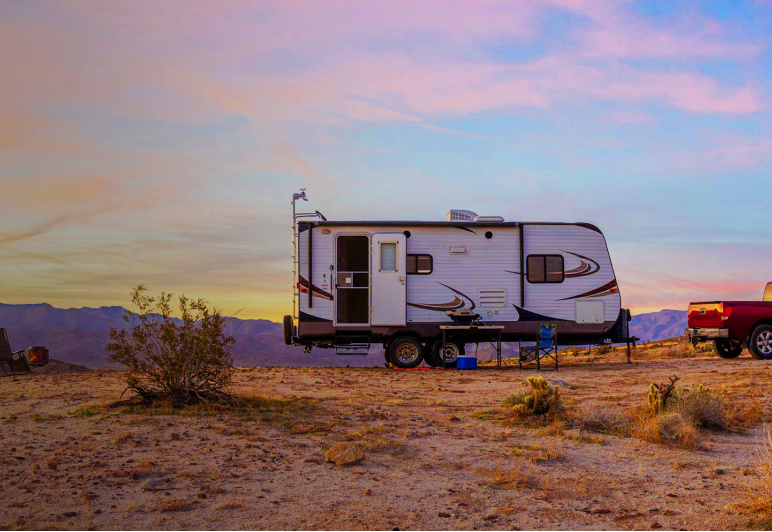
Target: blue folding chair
point(546, 347)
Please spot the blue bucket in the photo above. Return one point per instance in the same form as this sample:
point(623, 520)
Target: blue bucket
point(466, 363)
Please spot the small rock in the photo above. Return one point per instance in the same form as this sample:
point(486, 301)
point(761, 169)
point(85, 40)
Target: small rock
point(719, 471)
point(345, 453)
point(97, 511)
point(175, 436)
point(656, 526)
point(368, 492)
point(70, 514)
point(454, 418)
point(443, 514)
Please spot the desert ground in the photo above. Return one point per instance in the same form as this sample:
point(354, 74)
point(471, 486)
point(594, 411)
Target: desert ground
point(441, 452)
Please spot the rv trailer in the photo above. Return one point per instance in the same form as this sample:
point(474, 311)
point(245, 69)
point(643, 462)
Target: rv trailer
point(395, 283)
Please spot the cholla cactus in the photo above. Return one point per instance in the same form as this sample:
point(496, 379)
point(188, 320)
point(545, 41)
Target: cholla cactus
point(659, 394)
point(543, 398)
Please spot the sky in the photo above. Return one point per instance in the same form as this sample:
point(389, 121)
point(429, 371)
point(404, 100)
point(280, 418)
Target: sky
point(160, 142)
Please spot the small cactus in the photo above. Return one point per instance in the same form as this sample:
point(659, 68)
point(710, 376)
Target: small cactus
point(659, 394)
point(542, 399)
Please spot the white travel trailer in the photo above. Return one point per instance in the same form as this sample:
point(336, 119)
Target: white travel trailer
point(394, 283)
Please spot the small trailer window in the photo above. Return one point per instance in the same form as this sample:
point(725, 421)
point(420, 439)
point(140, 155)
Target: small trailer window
point(420, 264)
point(545, 269)
point(388, 256)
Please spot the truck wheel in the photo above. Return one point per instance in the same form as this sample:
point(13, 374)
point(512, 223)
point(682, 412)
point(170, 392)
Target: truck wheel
point(760, 344)
point(406, 352)
point(288, 330)
point(453, 350)
point(727, 348)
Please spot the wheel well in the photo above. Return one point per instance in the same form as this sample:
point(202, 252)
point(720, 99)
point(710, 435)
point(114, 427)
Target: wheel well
point(765, 321)
point(390, 340)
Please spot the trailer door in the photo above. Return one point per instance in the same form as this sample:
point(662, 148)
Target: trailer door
point(388, 288)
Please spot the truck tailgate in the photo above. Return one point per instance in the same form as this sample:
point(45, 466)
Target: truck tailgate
point(706, 314)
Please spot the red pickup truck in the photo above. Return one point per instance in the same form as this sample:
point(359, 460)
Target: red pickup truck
point(733, 326)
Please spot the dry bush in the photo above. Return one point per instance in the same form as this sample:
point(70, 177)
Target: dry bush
point(608, 419)
point(703, 407)
point(182, 361)
point(233, 504)
point(604, 349)
point(669, 428)
point(758, 489)
point(680, 350)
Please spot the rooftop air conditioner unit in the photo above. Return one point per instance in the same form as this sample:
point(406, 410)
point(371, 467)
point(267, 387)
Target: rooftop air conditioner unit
point(457, 215)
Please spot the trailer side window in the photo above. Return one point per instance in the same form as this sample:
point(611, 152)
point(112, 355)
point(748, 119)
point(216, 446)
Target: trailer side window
point(420, 264)
point(545, 269)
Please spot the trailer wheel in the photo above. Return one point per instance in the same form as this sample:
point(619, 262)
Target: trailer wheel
point(289, 327)
point(453, 350)
point(406, 352)
point(760, 344)
point(727, 348)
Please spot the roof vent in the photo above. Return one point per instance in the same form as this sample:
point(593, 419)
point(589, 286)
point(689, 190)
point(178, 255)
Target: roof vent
point(488, 219)
point(457, 215)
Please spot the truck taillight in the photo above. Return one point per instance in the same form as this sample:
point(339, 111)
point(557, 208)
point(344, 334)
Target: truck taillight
point(725, 312)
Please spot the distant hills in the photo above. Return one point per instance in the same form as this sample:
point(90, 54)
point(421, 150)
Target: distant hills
point(78, 336)
point(658, 325)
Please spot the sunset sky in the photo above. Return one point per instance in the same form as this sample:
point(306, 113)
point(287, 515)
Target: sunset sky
point(160, 142)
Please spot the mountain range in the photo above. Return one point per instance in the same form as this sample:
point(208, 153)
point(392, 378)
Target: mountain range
point(78, 336)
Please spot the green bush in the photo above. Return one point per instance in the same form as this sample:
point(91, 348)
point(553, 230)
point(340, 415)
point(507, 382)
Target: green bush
point(181, 361)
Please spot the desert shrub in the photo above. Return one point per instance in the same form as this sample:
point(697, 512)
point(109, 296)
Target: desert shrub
point(758, 490)
point(705, 408)
point(605, 349)
point(704, 347)
point(669, 428)
point(539, 399)
point(680, 350)
point(180, 361)
point(602, 418)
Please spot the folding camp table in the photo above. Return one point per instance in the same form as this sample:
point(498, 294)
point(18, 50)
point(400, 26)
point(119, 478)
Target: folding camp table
point(491, 331)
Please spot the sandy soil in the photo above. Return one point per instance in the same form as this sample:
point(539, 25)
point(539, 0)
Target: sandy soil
point(438, 456)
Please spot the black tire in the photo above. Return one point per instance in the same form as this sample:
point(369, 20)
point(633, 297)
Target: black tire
point(727, 348)
point(289, 330)
point(406, 352)
point(760, 344)
point(455, 349)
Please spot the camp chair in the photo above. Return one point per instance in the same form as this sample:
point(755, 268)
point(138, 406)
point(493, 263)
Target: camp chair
point(9, 364)
point(546, 347)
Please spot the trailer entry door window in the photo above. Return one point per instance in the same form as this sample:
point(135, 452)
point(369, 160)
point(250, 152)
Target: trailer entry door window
point(388, 256)
point(419, 264)
point(545, 269)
